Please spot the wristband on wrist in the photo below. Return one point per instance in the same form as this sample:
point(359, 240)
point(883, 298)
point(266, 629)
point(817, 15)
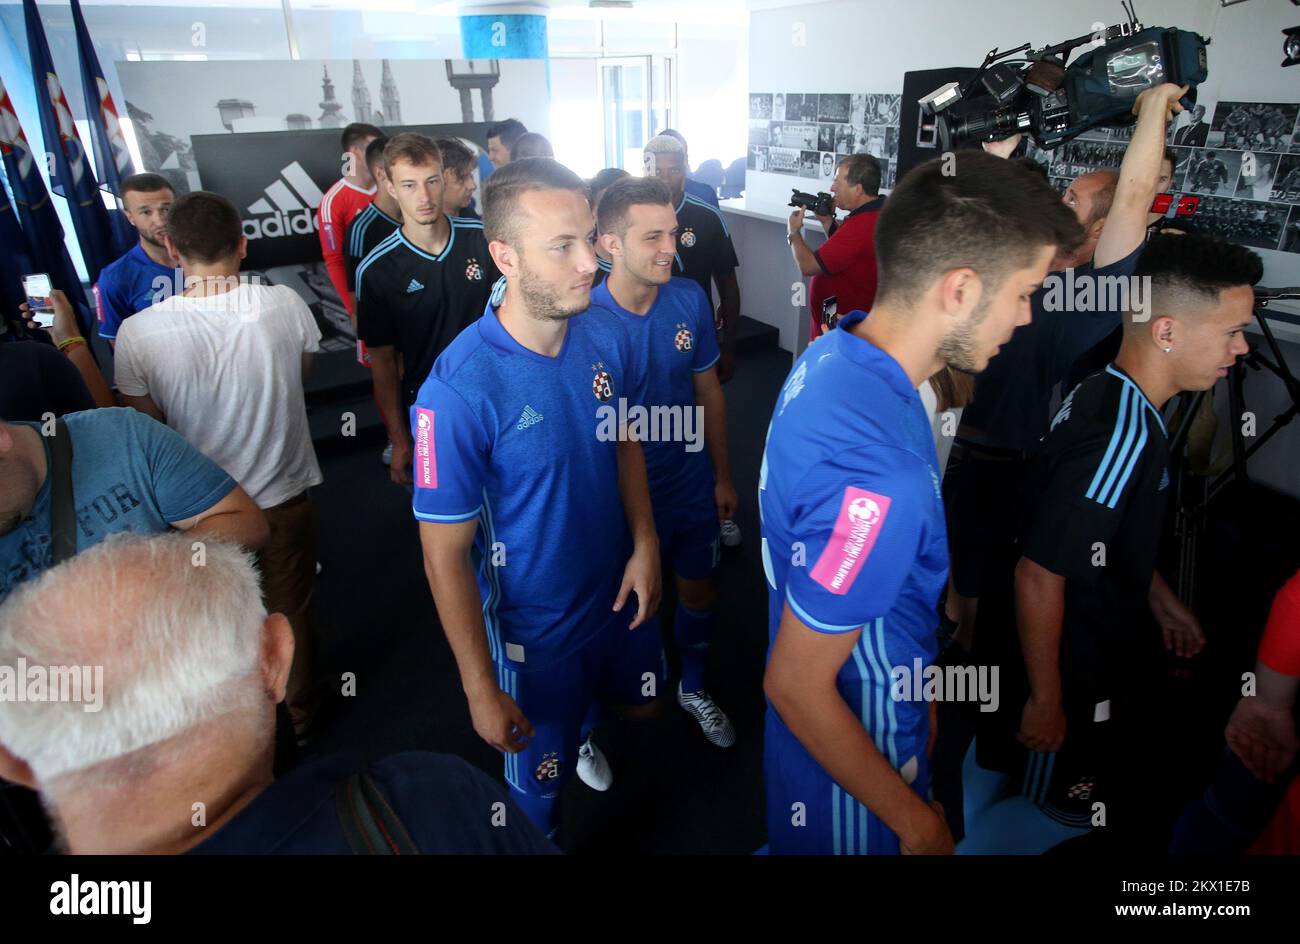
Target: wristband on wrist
point(69, 342)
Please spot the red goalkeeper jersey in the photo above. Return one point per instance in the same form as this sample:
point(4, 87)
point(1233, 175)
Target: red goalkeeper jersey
point(341, 204)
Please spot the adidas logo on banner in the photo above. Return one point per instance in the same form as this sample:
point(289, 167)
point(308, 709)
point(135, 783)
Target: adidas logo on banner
point(288, 207)
point(529, 417)
point(413, 287)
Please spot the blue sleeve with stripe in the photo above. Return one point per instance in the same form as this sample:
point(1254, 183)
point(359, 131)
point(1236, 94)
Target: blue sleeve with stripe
point(449, 455)
point(857, 531)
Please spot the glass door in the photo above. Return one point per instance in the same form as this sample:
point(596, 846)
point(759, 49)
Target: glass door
point(626, 106)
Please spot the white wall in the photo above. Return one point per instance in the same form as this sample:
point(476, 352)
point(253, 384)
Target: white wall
point(867, 45)
point(713, 89)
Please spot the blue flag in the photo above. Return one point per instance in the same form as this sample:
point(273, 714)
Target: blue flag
point(32, 202)
point(70, 173)
point(112, 157)
point(15, 262)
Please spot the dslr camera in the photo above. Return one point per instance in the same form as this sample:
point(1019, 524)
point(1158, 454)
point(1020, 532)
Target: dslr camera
point(821, 205)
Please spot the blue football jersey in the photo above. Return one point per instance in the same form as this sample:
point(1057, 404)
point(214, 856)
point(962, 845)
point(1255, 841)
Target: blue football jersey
point(853, 528)
point(131, 284)
point(527, 445)
point(671, 343)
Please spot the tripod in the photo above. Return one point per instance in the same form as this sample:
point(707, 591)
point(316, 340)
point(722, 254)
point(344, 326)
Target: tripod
point(1193, 491)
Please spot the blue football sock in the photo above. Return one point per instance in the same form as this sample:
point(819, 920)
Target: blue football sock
point(693, 630)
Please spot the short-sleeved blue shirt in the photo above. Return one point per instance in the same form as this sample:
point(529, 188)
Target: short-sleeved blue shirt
point(527, 444)
point(129, 473)
point(129, 285)
point(853, 522)
point(672, 342)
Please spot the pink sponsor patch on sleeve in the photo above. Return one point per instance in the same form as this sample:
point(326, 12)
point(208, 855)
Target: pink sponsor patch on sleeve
point(857, 525)
point(426, 455)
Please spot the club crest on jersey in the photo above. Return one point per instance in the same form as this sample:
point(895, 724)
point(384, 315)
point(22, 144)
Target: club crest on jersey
point(549, 768)
point(683, 341)
point(474, 271)
point(1081, 790)
point(688, 237)
point(602, 385)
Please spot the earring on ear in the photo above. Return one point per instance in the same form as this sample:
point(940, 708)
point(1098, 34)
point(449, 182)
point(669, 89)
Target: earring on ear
point(1167, 349)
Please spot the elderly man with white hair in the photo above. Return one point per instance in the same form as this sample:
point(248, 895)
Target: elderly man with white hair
point(174, 752)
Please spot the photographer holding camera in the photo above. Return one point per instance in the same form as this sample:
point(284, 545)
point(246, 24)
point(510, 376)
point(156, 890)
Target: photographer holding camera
point(845, 265)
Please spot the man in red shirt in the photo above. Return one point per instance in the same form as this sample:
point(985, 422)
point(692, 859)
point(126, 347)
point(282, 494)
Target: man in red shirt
point(342, 202)
point(845, 265)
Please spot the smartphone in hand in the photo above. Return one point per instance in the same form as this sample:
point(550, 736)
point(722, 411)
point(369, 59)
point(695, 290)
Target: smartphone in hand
point(40, 305)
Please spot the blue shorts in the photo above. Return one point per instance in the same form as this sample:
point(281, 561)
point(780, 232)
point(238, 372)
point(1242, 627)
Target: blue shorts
point(616, 667)
point(688, 540)
point(808, 813)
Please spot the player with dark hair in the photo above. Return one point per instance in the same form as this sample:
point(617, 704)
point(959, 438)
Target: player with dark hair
point(854, 544)
point(145, 274)
point(375, 223)
point(350, 195)
point(598, 185)
point(500, 138)
point(1073, 729)
point(516, 454)
point(458, 164)
point(676, 347)
point(418, 288)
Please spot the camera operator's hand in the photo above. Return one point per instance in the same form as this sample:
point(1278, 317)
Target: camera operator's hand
point(1004, 148)
point(1168, 95)
point(65, 318)
point(796, 222)
point(828, 222)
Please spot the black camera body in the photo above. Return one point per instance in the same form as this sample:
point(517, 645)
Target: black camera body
point(1055, 103)
point(823, 204)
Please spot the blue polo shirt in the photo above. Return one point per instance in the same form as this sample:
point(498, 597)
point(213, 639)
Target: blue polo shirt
point(447, 806)
point(131, 284)
point(525, 444)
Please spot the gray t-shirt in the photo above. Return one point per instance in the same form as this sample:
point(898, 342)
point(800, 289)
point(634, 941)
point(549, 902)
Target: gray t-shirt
point(129, 473)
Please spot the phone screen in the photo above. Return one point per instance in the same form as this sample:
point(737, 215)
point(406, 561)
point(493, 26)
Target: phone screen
point(37, 288)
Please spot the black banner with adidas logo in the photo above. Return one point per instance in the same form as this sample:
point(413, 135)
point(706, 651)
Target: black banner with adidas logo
point(277, 179)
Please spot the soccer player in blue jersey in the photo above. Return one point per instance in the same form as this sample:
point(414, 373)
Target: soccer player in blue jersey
point(146, 274)
point(854, 544)
point(516, 454)
point(671, 323)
